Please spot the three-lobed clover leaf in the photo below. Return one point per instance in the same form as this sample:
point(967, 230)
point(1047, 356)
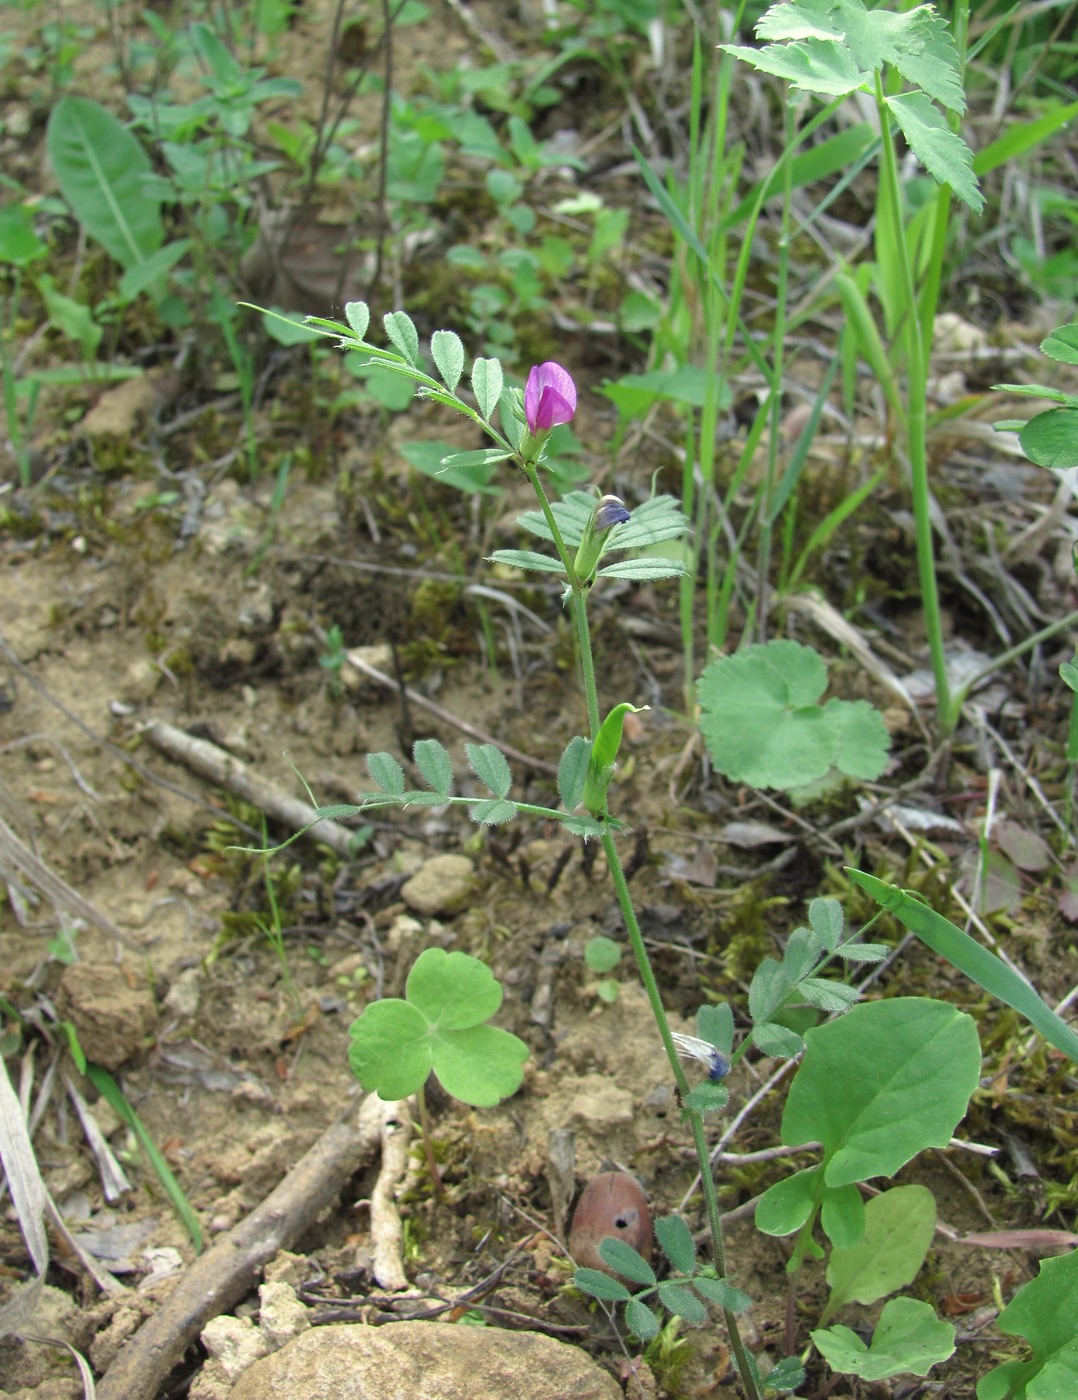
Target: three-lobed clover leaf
point(439, 1026)
point(764, 726)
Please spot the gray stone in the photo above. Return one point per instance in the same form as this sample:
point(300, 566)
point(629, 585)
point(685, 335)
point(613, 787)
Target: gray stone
point(443, 886)
point(425, 1361)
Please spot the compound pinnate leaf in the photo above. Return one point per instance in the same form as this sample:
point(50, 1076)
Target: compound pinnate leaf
point(909, 1337)
point(626, 1261)
point(395, 1043)
point(600, 1285)
point(640, 1320)
point(944, 155)
point(492, 811)
point(677, 1299)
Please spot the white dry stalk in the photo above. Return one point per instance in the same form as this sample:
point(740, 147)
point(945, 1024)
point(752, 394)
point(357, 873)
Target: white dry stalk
point(390, 1125)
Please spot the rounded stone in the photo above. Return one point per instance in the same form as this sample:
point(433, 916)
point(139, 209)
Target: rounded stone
point(441, 887)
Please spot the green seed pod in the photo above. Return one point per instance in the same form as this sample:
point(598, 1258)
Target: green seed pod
point(604, 757)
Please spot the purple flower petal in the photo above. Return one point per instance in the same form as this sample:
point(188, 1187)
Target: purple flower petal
point(609, 512)
point(549, 397)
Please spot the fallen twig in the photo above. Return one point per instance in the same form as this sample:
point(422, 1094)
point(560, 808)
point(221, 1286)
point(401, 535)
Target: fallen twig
point(219, 1278)
point(229, 772)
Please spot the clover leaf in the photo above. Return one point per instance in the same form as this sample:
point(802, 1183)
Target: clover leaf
point(439, 1026)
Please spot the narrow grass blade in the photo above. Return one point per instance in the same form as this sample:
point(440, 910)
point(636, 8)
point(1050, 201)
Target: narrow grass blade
point(966, 954)
point(105, 1085)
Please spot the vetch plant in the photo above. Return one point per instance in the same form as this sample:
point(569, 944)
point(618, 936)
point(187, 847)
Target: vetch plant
point(880, 1083)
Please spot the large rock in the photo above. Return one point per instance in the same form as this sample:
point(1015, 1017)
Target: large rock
point(425, 1361)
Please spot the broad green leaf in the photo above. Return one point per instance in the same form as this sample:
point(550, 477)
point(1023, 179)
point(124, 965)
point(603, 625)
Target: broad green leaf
point(101, 169)
point(447, 352)
point(882, 1083)
point(971, 958)
point(917, 43)
point(453, 990)
point(770, 988)
point(487, 385)
point(433, 761)
point(386, 772)
point(898, 1226)
point(675, 1241)
point(1051, 438)
point(763, 727)
point(908, 1338)
point(786, 1206)
point(801, 19)
point(1043, 1312)
point(358, 316)
point(490, 767)
point(403, 334)
point(626, 1262)
point(842, 1215)
point(19, 243)
point(480, 1066)
point(944, 155)
point(828, 921)
point(573, 771)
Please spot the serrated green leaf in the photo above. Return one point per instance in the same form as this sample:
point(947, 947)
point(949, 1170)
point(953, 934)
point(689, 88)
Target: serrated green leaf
point(403, 334)
point(573, 772)
point(487, 382)
point(489, 766)
point(1062, 344)
point(813, 65)
point(599, 1285)
point(626, 1261)
point(492, 811)
point(944, 155)
point(675, 1241)
point(433, 761)
point(358, 316)
point(447, 352)
point(676, 1298)
point(528, 559)
point(387, 773)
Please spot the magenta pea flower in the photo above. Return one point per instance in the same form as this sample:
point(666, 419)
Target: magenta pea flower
point(549, 397)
